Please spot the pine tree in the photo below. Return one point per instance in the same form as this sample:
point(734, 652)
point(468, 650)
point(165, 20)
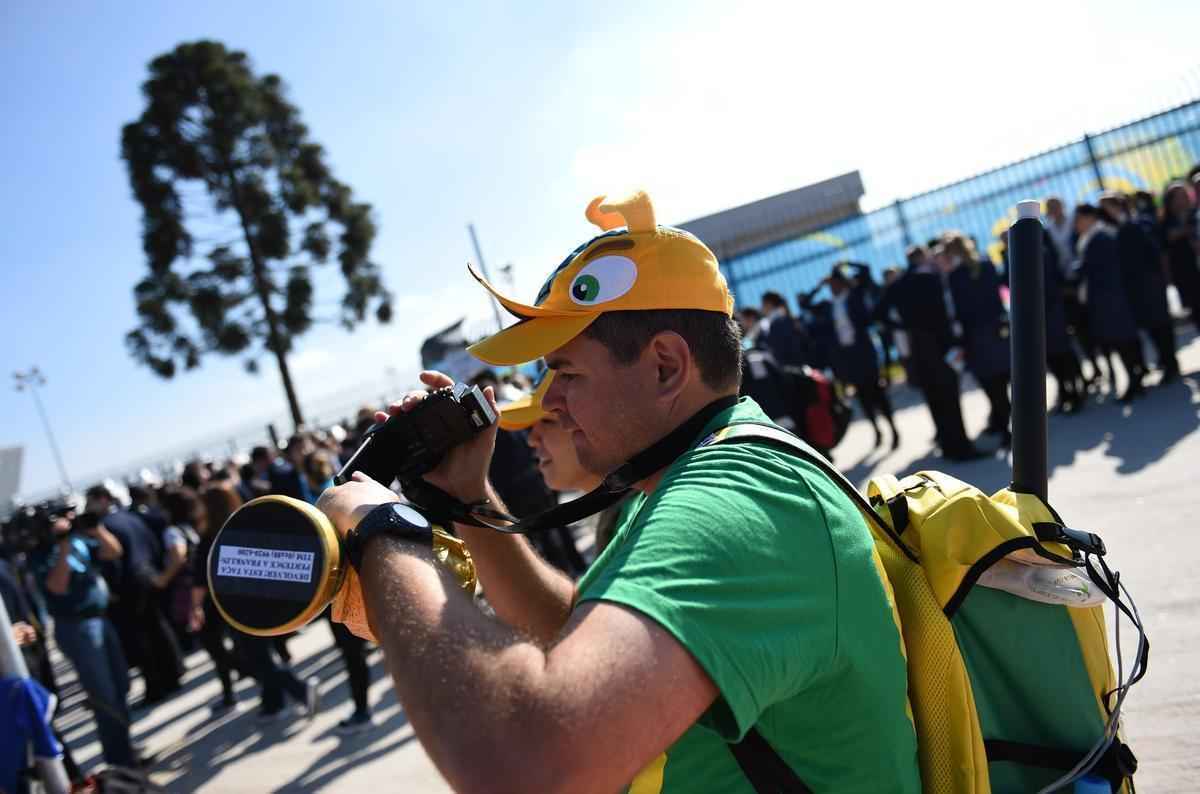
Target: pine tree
point(238, 210)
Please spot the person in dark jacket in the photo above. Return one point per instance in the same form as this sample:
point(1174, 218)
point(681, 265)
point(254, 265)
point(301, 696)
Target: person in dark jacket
point(770, 387)
point(853, 355)
point(1061, 359)
point(287, 478)
point(1110, 319)
point(975, 290)
point(780, 334)
point(1181, 243)
point(1145, 280)
point(147, 639)
point(919, 298)
point(817, 322)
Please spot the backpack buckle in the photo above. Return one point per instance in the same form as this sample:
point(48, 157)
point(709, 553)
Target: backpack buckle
point(1074, 539)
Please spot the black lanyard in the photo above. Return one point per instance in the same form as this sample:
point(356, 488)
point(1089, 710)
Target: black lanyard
point(441, 507)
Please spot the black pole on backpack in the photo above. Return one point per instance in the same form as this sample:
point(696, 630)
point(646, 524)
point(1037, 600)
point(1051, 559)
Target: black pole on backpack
point(1028, 308)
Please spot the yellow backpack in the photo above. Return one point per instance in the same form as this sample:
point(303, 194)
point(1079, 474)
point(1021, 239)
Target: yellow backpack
point(1008, 694)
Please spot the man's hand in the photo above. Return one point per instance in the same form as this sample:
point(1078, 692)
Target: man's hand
point(24, 634)
point(347, 504)
point(463, 472)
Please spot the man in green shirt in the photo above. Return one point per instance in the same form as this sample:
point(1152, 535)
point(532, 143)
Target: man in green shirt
point(742, 592)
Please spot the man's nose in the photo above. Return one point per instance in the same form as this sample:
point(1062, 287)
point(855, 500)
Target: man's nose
point(554, 399)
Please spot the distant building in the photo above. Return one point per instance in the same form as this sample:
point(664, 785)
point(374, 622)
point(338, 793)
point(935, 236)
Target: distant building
point(740, 230)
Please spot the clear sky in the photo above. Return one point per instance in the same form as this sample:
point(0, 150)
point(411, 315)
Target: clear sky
point(511, 116)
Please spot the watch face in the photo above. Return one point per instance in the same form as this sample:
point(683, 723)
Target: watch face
point(410, 516)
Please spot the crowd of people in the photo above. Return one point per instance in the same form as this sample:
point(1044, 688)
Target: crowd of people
point(121, 584)
point(1108, 267)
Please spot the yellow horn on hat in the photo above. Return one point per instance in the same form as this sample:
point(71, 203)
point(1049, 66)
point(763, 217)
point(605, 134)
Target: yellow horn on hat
point(637, 211)
point(605, 220)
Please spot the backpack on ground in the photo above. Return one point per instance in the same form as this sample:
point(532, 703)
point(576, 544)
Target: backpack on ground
point(1008, 694)
point(825, 413)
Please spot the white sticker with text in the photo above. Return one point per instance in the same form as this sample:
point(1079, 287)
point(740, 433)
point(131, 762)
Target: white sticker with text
point(279, 565)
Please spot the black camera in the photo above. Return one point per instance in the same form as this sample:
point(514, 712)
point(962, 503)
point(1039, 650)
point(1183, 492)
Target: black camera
point(411, 444)
point(32, 527)
point(277, 562)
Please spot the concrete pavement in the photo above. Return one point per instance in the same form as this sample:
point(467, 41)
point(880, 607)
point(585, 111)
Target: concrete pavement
point(1128, 473)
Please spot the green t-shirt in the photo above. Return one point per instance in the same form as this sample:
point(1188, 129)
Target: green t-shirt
point(765, 571)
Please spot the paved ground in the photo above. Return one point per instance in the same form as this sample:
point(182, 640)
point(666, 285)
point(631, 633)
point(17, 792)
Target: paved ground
point(1129, 473)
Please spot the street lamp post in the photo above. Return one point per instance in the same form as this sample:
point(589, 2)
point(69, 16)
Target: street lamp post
point(31, 380)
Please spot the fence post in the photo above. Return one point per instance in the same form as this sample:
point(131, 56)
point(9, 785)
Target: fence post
point(1087, 144)
point(904, 232)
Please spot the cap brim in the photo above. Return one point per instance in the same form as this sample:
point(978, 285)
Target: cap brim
point(520, 414)
point(525, 412)
point(530, 339)
point(521, 310)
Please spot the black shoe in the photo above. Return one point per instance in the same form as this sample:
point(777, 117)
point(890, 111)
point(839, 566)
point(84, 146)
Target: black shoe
point(355, 723)
point(1169, 376)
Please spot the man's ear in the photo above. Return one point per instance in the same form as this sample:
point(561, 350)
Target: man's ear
point(672, 361)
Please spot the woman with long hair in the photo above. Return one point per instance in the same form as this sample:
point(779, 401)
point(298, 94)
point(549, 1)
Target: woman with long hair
point(217, 503)
point(176, 580)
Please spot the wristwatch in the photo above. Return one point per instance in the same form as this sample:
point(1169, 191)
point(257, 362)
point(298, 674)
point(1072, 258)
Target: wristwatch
point(394, 519)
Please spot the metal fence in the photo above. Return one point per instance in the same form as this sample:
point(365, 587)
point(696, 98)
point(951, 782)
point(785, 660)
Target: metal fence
point(1141, 155)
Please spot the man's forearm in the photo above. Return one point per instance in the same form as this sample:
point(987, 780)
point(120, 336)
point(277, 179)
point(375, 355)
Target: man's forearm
point(468, 684)
point(110, 546)
point(526, 591)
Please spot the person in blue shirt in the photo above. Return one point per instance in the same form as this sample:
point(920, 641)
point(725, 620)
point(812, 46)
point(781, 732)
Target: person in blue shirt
point(77, 598)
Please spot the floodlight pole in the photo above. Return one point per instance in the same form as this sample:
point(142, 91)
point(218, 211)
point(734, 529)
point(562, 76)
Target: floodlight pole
point(31, 380)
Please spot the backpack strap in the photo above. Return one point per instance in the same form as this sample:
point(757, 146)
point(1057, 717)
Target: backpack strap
point(762, 766)
point(755, 431)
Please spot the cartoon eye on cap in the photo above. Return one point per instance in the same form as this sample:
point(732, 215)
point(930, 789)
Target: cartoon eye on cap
point(603, 279)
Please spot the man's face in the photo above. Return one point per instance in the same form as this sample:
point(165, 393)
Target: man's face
point(1083, 223)
point(609, 411)
point(97, 504)
point(557, 460)
point(1054, 208)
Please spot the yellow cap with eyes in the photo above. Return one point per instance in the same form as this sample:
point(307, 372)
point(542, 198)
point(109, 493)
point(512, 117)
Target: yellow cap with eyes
point(635, 265)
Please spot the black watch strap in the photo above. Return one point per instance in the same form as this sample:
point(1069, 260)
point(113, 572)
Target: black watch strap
point(394, 519)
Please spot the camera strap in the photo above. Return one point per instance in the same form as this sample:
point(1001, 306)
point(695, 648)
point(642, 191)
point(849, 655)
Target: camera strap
point(441, 506)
